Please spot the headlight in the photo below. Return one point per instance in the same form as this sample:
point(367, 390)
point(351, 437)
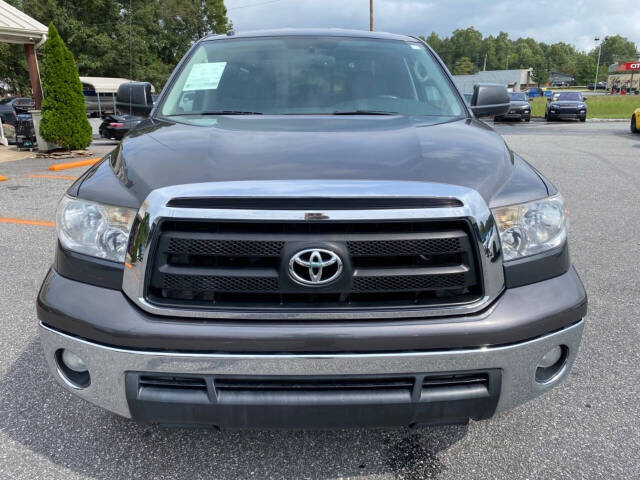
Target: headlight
point(93, 228)
point(530, 228)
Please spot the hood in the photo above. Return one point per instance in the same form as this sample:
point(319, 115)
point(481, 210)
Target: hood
point(463, 152)
point(568, 102)
point(519, 103)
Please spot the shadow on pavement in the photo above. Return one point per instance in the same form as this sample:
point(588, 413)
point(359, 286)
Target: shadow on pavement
point(38, 413)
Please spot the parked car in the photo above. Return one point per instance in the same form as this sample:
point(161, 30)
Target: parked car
point(10, 107)
point(635, 121)
point(598, 86)
point(565, 106)
point(519, 108)
point(535, 92)
point(324, 236)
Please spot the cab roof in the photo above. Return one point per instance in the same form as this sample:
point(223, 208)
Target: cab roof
point(310, 32)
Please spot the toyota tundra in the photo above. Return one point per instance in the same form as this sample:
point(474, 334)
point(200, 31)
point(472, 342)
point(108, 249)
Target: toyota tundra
point(312, 229)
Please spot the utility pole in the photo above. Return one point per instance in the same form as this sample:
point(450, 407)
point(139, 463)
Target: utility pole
point(484, 65)
point(595, 84)
point(371, 15)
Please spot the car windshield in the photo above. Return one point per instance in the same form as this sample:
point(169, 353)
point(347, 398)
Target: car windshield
point(311, 75)
point(6, 100)
point(575, 96)
point(517, 97)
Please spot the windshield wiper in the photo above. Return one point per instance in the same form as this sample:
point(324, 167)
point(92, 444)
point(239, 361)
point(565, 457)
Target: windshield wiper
point(217, 112)
point(365, 112)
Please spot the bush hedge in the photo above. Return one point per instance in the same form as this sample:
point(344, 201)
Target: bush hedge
point(64, 119)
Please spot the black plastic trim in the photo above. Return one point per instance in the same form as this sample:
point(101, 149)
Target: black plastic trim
point(537, 268)
point(315, 401)
point(108, 317)
point(313, 204)
point(88, 269)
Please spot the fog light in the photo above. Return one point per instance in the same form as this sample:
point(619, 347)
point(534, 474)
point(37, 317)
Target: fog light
point(72, 369)
point(73, 361)
point(551, 357)
point(552, 364)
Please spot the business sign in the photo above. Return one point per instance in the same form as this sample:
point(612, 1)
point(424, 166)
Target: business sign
point(628, 67)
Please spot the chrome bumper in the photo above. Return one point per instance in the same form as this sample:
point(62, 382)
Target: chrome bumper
point(107, 365)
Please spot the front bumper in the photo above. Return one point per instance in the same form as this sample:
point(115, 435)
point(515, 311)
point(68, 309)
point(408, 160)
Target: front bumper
point(568, 113)
point(115, 372)
point(515, 115)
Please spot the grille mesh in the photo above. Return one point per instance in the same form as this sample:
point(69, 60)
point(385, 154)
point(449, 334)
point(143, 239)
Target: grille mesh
point(189, 246)
point(404, 247)
point(196, 283)
point(395, 283)
point(217, 264)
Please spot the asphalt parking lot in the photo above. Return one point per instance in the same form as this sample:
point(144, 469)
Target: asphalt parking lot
point(587, 428)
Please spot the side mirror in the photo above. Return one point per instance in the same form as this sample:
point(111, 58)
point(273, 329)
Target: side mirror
point(135, 98)
point(489, 99)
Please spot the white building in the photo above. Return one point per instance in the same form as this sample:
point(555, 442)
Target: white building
point(515, 80)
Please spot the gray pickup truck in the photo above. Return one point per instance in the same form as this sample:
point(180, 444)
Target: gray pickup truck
point(312, 229)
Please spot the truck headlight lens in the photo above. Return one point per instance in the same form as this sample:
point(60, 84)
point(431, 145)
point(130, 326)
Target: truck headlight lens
point(93, 228)
point(530, 228)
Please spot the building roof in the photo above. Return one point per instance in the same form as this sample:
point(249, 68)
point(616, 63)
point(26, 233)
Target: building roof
point(106, 84)
point(18, 27)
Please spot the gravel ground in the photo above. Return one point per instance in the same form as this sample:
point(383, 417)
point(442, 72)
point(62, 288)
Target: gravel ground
point(587, 428)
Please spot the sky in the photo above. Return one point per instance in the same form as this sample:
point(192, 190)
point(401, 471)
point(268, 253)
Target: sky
point(576, 22)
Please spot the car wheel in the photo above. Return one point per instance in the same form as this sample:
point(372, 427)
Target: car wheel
point(548, 117)
point(527, 119)
point(634, 129)
point(583, 119)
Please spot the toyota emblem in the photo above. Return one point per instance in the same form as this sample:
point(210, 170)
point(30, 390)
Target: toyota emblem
point(315, 267)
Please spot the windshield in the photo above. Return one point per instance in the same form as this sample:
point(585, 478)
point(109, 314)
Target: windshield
point(6, 100)
point(575, 96)
point(517, 97)
point(311, 75)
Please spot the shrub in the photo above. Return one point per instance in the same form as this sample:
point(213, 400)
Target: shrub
point(64, 119)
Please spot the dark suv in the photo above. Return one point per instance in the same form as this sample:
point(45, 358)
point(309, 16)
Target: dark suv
point(312, 229)
point(519, 108)
point(10, 107)
point(566, 105)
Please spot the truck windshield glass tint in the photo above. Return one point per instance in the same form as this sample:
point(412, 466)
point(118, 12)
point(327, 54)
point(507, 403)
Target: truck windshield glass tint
point(311, 75)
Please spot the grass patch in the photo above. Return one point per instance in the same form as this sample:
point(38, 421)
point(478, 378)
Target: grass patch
point(599, 106)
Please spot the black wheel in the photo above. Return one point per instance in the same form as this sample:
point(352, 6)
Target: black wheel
point(527, 119)
point(634, 129)
point(583, 119)
point(548, 117)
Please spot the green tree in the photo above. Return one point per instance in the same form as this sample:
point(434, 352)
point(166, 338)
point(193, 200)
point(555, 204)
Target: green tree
point(586, 70)
point(615, 48)
point(105, 34)
point(464, 66)
point(13, 69)
point(64, 120)
point(540, 71)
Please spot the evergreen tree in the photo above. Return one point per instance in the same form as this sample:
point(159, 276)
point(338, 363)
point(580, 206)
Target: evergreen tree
point(64, 119)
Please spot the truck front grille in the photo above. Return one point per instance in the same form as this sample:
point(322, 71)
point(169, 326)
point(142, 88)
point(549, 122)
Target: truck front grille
point(228, 264)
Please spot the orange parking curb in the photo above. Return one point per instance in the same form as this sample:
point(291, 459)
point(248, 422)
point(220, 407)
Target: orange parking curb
point(79, 163)
point(66, 177)
point(2, 179)
point(27, 222)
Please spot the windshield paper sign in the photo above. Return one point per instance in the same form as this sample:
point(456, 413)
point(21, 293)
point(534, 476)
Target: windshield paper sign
point(205, 76)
